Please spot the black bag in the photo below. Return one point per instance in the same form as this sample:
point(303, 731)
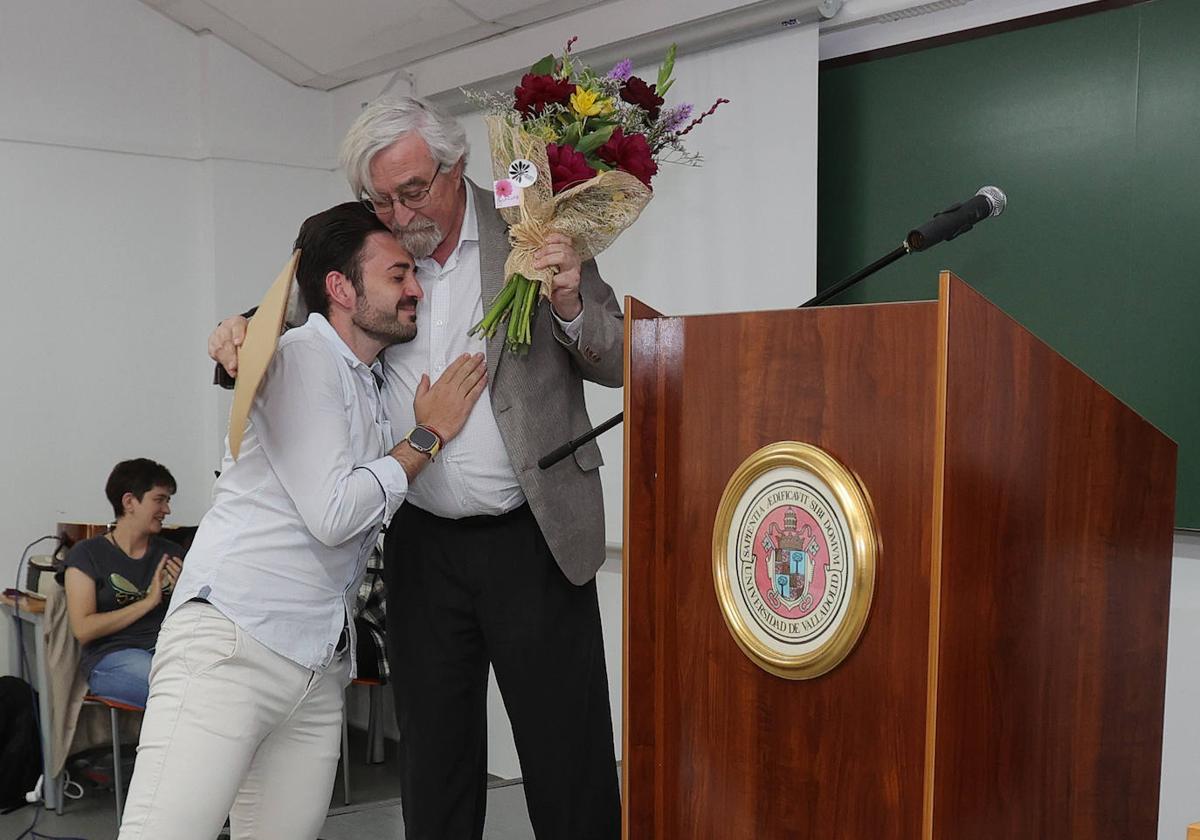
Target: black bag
point(20, 744)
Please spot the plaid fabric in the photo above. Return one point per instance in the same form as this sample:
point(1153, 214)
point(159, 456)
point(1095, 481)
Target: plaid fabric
point(370, 619)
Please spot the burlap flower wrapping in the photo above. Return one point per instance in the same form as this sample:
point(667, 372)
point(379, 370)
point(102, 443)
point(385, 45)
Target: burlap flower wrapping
point(593, 213)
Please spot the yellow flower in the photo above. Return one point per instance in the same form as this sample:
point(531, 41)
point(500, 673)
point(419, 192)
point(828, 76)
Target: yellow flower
point(588, 103)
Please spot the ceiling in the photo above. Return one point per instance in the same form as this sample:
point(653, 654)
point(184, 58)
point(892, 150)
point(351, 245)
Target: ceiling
point(441, 45)
point(323, 45)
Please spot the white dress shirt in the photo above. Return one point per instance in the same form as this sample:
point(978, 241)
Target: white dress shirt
point(473, 474)
point(282, 548)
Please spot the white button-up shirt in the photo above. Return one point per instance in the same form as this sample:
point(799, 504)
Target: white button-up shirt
point(285, 543)
point(473, 474)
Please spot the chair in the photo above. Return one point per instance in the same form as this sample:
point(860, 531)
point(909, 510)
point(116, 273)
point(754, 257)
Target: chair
point(115, 706)
point(70, 731)
point(370, 621)
point(375, 751)
point(1193, 831)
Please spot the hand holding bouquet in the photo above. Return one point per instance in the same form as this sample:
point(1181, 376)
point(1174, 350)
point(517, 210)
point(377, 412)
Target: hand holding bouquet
point(586, 148)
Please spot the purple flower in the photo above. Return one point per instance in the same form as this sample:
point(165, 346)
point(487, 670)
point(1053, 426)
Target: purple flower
point(675, 117)
point(622, 70)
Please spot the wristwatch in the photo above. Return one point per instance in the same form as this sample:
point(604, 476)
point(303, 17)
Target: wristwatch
point(426, 440)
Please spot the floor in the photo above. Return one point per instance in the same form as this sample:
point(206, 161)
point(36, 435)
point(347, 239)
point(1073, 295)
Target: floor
point(374, 811)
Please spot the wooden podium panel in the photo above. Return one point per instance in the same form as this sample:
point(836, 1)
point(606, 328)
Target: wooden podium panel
point(715, 747)
point(1056, 548)
point(1009, 682)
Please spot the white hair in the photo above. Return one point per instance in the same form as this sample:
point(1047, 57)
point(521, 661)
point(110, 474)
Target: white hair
point(385, 121)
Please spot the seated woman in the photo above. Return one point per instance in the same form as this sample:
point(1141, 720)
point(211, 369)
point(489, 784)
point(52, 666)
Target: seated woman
point(118, 584)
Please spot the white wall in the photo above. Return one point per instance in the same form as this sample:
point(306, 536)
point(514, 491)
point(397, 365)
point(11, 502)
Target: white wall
point(103, 248)
point(1179, 805)
point(152, 181)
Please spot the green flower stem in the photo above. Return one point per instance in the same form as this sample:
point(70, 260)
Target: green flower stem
point(514, 306)
point(515, 321)
point(498, 311)
point(530, 304)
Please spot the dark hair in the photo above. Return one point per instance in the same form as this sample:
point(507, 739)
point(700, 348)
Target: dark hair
point(136, 477)
point(333, 241)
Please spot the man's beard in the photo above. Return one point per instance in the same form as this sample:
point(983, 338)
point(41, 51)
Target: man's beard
point(386, 327)
point(420, 237)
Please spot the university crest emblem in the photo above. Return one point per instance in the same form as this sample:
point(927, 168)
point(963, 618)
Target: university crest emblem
point(794, 553)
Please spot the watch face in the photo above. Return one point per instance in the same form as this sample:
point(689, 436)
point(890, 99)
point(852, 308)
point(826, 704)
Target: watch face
point(422, 439)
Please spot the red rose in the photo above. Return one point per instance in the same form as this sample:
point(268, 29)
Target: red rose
point(637, 92)
point(567, 167)
point(630, 153)
point(536, 92)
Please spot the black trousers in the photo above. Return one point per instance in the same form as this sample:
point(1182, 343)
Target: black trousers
point(465, 592)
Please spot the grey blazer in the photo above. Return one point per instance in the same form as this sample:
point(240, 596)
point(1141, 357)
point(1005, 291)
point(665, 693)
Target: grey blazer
point(538, 402)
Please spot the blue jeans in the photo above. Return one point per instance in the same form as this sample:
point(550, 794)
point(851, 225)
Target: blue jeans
point(123, 675)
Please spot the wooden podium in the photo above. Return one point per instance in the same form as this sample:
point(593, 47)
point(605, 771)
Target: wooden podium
point(1009, 680)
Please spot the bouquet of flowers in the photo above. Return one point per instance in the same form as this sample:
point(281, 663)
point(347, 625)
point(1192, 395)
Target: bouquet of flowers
point(574, 152)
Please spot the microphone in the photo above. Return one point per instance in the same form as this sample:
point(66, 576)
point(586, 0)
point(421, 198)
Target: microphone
point(957, 219)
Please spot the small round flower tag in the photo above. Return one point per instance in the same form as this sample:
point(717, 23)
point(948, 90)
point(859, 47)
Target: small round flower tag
point(523, 173)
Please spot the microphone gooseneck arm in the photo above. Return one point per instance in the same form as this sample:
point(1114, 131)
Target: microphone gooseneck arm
point(861, 274)
point(550, 459)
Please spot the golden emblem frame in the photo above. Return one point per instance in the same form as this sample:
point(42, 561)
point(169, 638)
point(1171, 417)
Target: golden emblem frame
point(855, 502)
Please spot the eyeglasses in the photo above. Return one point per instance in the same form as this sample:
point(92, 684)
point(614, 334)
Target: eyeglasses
point(414, 200)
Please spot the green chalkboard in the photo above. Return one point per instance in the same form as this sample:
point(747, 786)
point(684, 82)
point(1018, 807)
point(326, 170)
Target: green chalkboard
point(1092, 127)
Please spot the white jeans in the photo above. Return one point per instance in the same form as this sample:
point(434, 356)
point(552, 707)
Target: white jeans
point(233, 728)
